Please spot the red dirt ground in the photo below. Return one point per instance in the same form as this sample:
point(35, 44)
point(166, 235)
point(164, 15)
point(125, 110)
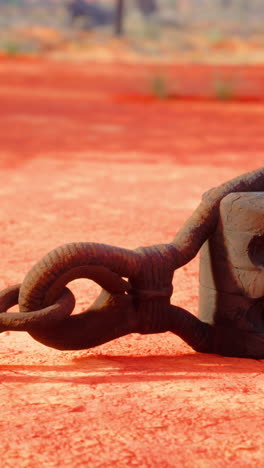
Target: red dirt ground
point(80, 161)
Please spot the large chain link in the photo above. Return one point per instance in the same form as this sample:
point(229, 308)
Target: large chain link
point(45, 304)
point(44, 318)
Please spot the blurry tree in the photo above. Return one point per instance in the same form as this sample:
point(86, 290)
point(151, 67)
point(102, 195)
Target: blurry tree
point(96, 15)
point(90, 13)
point(147, 7)
point(119, 17)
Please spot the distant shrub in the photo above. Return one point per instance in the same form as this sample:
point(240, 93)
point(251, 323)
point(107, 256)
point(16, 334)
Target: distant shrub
point(13, 47)
point(159, 87)
point(223, 89)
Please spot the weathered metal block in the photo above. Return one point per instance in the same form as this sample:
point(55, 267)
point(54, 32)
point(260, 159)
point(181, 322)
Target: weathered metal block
point(232, 263)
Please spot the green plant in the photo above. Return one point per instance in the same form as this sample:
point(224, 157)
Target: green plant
point(11, 48)
point(14, 46)
point(159, 87)
point(214, 35)
point(223, 89)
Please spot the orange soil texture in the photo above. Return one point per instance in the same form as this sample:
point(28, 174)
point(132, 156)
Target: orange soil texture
point(81, 162)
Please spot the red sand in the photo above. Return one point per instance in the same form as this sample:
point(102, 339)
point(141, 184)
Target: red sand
point(78, 163)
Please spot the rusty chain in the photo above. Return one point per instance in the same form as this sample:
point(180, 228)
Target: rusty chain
point(46, 305)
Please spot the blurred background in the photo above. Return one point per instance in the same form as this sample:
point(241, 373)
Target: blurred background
point(219, 31)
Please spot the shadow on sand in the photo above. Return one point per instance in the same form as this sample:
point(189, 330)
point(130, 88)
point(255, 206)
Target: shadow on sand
point(107, 369)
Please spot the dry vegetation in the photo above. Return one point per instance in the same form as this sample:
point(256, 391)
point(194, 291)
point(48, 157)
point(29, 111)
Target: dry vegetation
point(182, 31)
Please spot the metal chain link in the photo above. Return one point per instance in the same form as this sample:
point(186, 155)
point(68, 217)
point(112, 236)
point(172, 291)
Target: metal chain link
point(46, 305)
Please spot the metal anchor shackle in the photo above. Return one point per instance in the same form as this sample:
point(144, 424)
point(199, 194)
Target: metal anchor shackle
point(141, 304)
